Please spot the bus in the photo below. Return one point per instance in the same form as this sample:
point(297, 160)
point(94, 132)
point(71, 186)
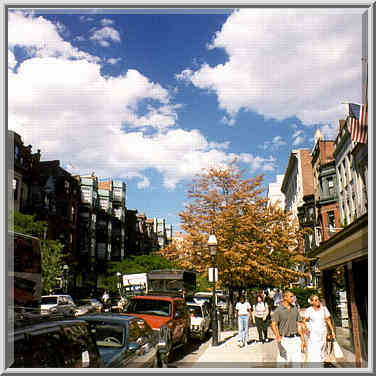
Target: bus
point(24, 270)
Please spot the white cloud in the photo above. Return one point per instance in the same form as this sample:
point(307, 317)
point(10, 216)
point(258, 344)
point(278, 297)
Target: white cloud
point(41, 38)
point(90, 122)
point(297, 133)
point(298, 138)
point(12, 62)
point(106, 22)
point(278, 141)
point(106, 35)
point(113, 61)
point(274, 144)
point(144, 183)
point(79, 38)
point(86, 19)
point(285, 62)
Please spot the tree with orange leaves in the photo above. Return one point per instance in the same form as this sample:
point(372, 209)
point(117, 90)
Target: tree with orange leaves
point(257, 244)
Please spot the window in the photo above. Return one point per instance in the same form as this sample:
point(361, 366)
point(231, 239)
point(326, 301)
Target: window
point(330, 186)
point(331, 221)
point(17, 151)
point(15, 189)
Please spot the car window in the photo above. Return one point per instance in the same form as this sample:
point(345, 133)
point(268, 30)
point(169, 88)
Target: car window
point(195, 311)
point(49, 300)
point(44, 347)
point(78, 348)
point(149, 306)
point(21, 352)
point(108, 335)
point(180, 309)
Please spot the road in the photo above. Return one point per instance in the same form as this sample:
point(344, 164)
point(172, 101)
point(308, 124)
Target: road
point(187, 356)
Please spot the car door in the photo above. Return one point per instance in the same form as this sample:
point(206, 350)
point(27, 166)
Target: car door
point(140, 342)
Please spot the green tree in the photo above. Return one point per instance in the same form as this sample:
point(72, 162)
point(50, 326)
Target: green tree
point(51, 250)
point(135, 264)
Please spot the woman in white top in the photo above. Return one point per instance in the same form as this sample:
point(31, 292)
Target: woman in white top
point(243, 311)
point(259, 315)
point(317, 317)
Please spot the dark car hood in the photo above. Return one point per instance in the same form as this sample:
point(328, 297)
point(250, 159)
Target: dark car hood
point(108, 354)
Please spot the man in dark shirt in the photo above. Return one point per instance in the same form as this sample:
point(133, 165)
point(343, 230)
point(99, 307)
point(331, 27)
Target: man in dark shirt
point(287, 330)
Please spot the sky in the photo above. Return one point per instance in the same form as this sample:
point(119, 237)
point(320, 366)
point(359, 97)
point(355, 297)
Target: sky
point(152, 97)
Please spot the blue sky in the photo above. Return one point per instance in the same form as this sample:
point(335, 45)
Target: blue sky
point(152, 97)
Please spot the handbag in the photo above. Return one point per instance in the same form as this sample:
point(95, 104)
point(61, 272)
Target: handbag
point(338, 353)
point(329, 353)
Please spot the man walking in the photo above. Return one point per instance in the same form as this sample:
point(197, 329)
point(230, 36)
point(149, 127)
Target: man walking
point(288, 332)
point(243, 311)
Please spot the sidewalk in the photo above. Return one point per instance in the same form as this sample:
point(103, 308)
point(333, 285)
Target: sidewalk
point(255, 355)
point(229, 354)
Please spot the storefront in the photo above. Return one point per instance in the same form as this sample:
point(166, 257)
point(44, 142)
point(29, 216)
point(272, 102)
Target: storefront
point(343, 261)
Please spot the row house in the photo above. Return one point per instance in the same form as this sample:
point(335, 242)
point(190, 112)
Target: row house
point(297, 186)
point(111, 221)
point(325, 189)
point(160, 230)
point(57, 201)
point(336, 212)
point(22, 172)
point(343, 258)
point(274, 193)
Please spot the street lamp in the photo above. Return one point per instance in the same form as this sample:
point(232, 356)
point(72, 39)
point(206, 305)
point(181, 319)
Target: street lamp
point(65, 271)
point(119, 282)
point(213, 245)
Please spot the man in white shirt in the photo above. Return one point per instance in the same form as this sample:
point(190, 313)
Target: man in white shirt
point(243, 311)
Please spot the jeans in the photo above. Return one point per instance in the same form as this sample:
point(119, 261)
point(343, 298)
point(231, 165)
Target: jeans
point(243, 328)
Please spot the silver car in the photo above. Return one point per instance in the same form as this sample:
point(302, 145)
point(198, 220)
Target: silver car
point(51, 304)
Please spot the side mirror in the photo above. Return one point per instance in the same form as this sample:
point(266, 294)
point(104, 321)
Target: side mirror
point(162, 346)
point(134, 346)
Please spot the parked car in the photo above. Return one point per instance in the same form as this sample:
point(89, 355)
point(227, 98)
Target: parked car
point(53, 343)
point(84, 306)
point(166, 314)
point(117, 304)
point(125, 341)
point(57, 304)
point(95, 303)
point(200, 319)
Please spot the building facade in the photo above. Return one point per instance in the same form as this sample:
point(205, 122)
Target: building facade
point(297, 181)
point(274, 193)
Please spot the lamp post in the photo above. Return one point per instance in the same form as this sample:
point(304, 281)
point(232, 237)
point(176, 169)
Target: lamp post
point(119, 282)
point(213, 245)
point(65, 271)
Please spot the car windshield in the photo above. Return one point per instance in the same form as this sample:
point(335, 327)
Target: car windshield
point(48, 300)
point(83, 302)
point(149, 307)
point(108, 335)
point(202, 299)
point(196, 311)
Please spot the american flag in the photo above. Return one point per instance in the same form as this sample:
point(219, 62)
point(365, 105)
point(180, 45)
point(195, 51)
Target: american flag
point(358, 122)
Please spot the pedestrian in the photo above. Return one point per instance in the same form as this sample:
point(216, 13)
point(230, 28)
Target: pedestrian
point(105, 297)
point(243, 312)
point(317, 320)
point(277, 298)
point(270, 302)
point(288, 332)
point(260, 314)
